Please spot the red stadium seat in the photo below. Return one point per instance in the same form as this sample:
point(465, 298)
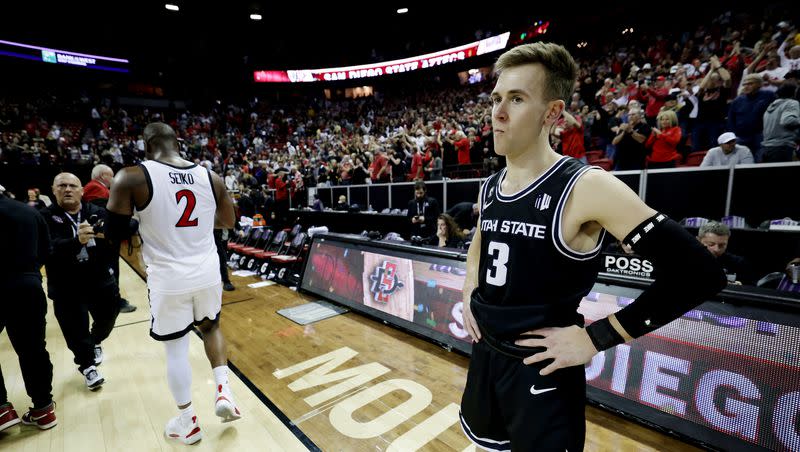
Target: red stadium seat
point(593, 156)
point(694, 159)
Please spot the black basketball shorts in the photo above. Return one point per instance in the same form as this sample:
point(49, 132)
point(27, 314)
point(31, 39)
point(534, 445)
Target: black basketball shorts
point(508, 406)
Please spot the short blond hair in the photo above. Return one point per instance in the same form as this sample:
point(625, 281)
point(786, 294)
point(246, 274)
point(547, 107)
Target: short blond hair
point(755, 78)
point(669, 114)
point(561, 71)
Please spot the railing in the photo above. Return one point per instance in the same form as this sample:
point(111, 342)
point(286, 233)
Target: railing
point(756, 192)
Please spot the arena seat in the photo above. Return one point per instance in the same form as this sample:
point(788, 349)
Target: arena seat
point(694, 159)
point(593, 156)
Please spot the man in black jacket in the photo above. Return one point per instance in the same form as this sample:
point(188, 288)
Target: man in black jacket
point(24, 245)
point(423, 211)
point(80, 279)
point(465, 214)
point(715, 236)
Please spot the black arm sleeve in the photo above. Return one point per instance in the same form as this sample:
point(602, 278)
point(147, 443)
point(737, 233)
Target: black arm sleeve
point(686, 275)
point(118, 227)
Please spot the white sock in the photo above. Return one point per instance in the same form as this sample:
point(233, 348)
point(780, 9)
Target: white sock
point(187, 414)
point(221, 375)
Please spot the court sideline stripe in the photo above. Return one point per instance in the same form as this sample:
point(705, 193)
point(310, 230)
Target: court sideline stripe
point(275, 410)
point(238, 301)
point(307, 442)
point(132, 323)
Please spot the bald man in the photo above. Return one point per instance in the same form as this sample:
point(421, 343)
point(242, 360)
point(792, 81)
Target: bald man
point(80, 279)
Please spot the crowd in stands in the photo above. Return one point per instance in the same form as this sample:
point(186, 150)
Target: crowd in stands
point(729, 87)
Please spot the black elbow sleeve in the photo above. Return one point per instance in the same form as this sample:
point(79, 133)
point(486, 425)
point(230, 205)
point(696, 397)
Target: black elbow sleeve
point(686, 274)
point(117, 226)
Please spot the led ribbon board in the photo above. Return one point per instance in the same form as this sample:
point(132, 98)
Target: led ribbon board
point(56, 56)
point(460, 53)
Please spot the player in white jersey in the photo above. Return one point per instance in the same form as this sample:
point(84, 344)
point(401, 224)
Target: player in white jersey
point(179, 205)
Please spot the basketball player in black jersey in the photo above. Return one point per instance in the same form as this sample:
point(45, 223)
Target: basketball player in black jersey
point(534, 256)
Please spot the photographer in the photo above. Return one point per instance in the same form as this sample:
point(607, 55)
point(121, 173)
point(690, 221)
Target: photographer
point(80, 279)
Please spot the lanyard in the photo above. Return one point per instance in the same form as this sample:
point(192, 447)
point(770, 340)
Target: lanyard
point(76, 224)
point(424, 204)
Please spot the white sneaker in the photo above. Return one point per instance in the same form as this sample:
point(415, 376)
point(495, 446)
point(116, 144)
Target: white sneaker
point(93, 378)
point(224, 406)
point(98, 355)
point(187, 433)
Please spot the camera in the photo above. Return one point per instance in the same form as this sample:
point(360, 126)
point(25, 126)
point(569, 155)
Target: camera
point(97, 224)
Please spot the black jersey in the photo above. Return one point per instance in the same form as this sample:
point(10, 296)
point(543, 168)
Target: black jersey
point(528, 276)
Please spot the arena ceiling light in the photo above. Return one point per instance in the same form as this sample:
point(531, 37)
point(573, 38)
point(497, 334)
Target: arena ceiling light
point(171, 7)
point(255, 16)
point(402, 10)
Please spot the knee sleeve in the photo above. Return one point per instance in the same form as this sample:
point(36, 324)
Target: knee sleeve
point(179, 371)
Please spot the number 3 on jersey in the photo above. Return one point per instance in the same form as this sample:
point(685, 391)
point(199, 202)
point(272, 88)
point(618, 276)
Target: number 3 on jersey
point(496, 273)
point(191, 201)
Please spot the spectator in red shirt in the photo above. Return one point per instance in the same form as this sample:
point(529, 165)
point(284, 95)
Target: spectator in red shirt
point(416, 167)
point(380, 171)
point(282, 186)
point(98, 187)
point(572, 137)
point(656, 97)
point(462, 148)
point(664, 141)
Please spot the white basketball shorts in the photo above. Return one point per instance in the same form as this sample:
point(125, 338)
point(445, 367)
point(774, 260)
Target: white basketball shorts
point(173, 315)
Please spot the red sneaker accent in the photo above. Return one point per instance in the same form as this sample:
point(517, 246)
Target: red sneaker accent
point(224, 406)
point(8, 416)
point(44, 418)
point(187, 434)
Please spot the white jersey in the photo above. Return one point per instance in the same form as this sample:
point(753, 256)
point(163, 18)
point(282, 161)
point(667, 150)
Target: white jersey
point(177, 228)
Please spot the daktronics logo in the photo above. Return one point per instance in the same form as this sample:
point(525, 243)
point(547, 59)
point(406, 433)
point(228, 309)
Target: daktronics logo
point(631, 266)
point(481, 47)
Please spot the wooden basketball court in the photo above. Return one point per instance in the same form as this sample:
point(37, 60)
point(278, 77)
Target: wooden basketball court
point(345, 383)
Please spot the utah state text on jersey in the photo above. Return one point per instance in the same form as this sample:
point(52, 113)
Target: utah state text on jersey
point(535, 231)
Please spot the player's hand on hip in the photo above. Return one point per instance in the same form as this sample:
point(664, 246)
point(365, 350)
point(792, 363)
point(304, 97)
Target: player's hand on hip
point(567, 347)
point(469, 322)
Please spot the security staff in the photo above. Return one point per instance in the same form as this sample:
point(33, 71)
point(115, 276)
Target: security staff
point(24, 246)
point(80, 279)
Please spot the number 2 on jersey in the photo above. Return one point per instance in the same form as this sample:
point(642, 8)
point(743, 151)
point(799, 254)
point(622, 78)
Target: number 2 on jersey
point(496, 273)
point(191, 201)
